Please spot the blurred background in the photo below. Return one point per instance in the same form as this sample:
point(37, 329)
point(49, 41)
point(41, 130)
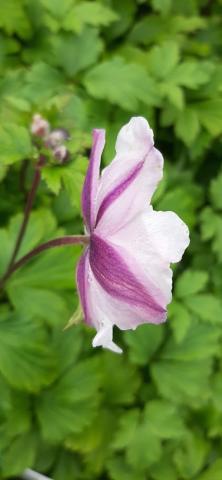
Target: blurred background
point(67, 410)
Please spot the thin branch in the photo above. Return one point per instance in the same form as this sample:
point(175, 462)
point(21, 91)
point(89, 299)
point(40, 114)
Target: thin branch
point(28, 208)
point(56, 242)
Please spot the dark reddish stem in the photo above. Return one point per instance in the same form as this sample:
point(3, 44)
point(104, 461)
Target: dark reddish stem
point(28, 208)
point(22, 176)
point(56, 242)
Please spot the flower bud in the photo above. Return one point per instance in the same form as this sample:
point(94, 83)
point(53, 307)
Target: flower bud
point(39, 126)
point(61, 154)
point(56, 138)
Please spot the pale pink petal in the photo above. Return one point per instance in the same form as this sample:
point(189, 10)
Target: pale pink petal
point(128, 183)
point(92, 178)
point(107, 311)
point(123, 280)
point(153, 240)
point(95, 306)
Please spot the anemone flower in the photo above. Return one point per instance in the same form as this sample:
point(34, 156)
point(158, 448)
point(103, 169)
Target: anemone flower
point(124, 276)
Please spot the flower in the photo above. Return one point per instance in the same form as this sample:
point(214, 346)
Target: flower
point(124, 276)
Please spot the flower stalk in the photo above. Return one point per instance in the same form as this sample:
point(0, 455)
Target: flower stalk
point(56, 242)
point(27, 212)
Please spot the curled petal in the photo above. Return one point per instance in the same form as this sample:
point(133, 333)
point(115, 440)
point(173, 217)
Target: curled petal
point(92, 178)
point(128, 183)
point(168, 234)
point(112, 271)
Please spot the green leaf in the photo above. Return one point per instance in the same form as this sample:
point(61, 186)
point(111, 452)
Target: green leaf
point(215, 191)
point(189, 381)
point(138, 455)
point(19, 455)
point(26, 361)
point(75, 53)
point(209, 223)
point(187, 126)
point(126, 430)
point(180, 320)
point(40, 303)
point(163, 59)
point(71, 177)
point(41, 224)
point(135, 434)
point(164, 468)
point(156, 28)
point(121, 388)
point(3, 171)
point(183, 201)
point(119, 470)
point(217, 391)
point(29, 289)
point(164, 420)
point(56, 8)
point(191, 456)
point(143, 343)
point(150, 29)
point(213, 472)
point(66, 466)
point(69, 404)
point(94, 14)
point(207, 306)
point(13, 18)
point(123, 84)
point(15, 143)
point(191, 74)
point(210, 117)
point(42, 81)
point(19, 418)
point(211, 228)
point(173, 93)
point(94, 441)
point(190, 282)
point(201, 342)
point(162, 6)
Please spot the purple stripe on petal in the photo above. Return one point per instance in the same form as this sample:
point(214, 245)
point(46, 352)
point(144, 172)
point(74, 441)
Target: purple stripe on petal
point(118, 190)
point(81, 278)
point(92, 177)
point(113, 274)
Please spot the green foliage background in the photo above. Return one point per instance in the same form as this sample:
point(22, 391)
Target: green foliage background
point(74, 413)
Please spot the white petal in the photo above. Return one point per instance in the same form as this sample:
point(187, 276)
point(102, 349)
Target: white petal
point(168, 234)
point(136, 136)
point(134, 147)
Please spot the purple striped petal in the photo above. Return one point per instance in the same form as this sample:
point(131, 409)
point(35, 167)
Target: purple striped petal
point(119, 189)
point(81, 278)
point(113, 274)
point(91, 181)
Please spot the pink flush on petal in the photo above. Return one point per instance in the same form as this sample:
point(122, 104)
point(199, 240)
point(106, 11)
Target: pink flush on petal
point(124, 276)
